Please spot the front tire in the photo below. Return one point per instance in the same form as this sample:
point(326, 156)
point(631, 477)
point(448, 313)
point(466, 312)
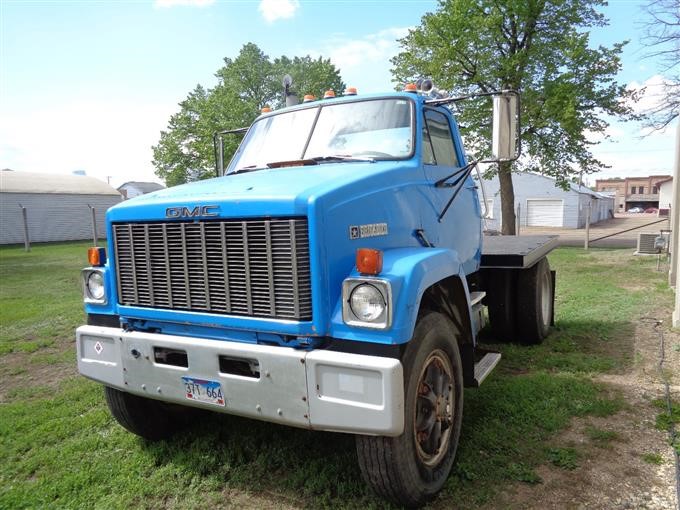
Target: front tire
point(150, 419)
point(412, 468)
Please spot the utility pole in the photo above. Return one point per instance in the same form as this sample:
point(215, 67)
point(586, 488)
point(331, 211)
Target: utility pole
point(587, 240)
point(675, 238)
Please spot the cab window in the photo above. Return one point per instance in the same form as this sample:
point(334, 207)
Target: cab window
point(428, 152)
point(437, 126)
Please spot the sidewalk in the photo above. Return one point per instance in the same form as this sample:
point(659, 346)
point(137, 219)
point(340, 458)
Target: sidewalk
point(576, 237)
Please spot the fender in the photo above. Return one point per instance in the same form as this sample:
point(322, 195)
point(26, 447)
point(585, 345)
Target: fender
point(410, 271)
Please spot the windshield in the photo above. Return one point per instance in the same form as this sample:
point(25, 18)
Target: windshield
point(368, 129)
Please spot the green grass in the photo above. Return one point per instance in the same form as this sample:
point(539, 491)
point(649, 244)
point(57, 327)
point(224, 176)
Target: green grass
point(565, 458)
point(652, 458)
point(598, 294)
point(40, 295)
point(61, 448)
point(664, 419)
point(602, 438)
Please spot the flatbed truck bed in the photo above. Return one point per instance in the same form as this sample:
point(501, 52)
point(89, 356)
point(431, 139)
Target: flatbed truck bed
point(515, 252)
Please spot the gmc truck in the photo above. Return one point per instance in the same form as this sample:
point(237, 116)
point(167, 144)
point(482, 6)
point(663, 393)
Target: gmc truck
point(334, 276)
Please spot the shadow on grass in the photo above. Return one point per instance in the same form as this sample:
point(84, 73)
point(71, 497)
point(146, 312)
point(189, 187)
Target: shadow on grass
point(573, 346)
point(506, 423)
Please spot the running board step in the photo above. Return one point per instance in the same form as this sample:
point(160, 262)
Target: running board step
point(485, 366)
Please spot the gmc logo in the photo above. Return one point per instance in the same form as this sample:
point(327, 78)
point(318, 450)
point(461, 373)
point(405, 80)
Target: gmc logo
point(185, 212)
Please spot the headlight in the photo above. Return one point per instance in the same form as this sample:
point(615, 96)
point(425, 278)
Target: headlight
point(94, 286)
point(367, 303)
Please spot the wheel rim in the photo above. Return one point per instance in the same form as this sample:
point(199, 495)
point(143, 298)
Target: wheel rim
point(434, 407)
point(546, 300)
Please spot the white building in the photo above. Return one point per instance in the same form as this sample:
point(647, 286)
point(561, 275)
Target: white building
point(58, 207)
point(665, 188)
point(133, 189)
point(542, 204)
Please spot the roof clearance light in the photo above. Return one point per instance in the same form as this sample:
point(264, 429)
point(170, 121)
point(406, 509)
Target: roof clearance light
point(266, 109)
point(351, 91)
point(308, 98)
point(329, 94)
point(96, 256)
point(410, 87)
point(369, 261)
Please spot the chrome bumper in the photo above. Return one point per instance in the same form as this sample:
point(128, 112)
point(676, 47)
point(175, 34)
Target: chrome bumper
point(320, 390)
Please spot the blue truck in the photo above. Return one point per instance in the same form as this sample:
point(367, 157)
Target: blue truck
point(334, 276)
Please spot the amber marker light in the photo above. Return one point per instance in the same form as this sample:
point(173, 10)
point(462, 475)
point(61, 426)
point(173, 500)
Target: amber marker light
point(410, 87)
point(369, 261)
point(266, 109)
point(308, 98)
point(351, 91)
point(96, 256)
point(329, 94)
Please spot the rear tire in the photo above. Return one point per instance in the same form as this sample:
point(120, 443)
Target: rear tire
point(411, 469)
point(534, 303)
point(151, 419)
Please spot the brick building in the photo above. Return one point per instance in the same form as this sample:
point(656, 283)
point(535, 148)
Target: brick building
point(632, 191)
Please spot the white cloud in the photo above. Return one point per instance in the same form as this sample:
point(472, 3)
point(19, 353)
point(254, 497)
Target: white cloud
point(364, 62)
point(272, 10)
point(350, 53)
point(189, 3)
point(628, 155)
point(651, 93)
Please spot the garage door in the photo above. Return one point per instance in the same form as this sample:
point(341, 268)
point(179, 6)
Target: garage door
point(545, 213)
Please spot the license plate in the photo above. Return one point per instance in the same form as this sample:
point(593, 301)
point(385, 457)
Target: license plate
point(202, 390)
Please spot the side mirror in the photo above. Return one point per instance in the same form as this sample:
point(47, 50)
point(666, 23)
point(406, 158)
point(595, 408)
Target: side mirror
point(505, 138)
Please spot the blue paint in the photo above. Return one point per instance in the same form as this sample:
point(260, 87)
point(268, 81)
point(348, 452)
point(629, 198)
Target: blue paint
point(333, 196)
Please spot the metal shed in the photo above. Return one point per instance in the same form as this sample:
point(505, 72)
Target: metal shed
point(542, 204)
point(58, 207)
point(133, 189)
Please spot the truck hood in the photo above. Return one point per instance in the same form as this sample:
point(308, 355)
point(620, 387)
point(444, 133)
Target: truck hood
point(269, 192)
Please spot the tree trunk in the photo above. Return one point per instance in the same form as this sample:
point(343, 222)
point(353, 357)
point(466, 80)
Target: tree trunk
point(507, 198)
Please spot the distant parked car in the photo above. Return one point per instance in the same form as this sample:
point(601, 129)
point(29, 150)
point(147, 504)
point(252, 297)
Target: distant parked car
point(651, 210)
point(636, 210)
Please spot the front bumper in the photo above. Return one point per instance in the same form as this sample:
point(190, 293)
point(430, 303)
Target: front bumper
point(320, 390)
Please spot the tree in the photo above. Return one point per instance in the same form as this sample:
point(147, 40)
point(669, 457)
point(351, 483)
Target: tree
point(245, 85)
point(663, 38)
point(538, 47)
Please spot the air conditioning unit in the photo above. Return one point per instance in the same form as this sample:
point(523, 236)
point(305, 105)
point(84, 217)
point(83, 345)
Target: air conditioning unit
point(651, 243)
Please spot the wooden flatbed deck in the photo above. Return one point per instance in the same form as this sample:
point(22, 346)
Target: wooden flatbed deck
point(515, 252)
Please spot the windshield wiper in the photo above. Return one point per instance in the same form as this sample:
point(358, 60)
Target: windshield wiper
point(342, 157)
point(302, 162)
point(249, 168)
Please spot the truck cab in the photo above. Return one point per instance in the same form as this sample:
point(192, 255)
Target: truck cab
point(329, 278)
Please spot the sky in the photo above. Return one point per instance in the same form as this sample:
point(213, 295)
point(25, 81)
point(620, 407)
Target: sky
point(88, 85)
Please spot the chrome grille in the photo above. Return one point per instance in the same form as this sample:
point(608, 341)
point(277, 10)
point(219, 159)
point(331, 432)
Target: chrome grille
point(256, 268)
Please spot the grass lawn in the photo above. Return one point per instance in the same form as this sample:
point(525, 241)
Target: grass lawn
point(60, 447)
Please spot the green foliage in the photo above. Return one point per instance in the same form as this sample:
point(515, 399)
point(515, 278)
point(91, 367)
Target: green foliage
point(601, 437)
point(245, 85)
point(665, 420)
point(652, 458)
point(565, 458)
point(540, 48)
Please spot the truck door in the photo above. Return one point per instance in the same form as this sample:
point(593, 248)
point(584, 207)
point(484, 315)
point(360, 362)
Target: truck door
point(460, 228)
